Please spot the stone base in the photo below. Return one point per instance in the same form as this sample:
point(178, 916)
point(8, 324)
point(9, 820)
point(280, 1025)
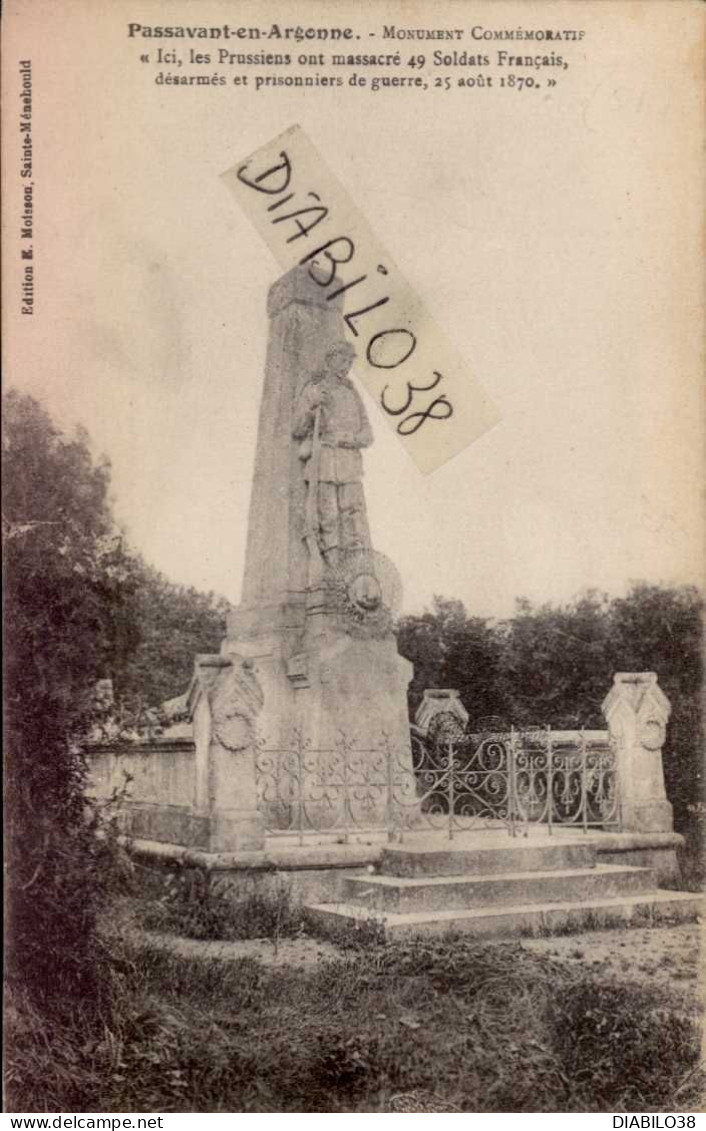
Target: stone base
point(353, 703)
point(356, 688)
point(333, 696)
point(647, 817)
point(165, 824)
point(236, 831)
point(230, 831)
point(318, 872)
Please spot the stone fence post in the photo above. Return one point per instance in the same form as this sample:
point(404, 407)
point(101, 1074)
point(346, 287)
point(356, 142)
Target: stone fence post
point(637, 711)
point(442, 702)
point(225, 699)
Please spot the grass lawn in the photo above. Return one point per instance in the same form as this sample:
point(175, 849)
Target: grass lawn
point(542, 1025)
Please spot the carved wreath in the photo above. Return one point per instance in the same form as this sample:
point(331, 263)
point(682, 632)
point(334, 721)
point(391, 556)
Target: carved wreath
point(652, 734)
point(235, 705)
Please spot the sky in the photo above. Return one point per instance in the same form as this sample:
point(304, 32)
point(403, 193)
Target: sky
point(544, 236)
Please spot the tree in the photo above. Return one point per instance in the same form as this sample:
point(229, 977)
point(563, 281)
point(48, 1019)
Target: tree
point(556, 664)
point(58, 539)
point(450, 649)
point(159, 629)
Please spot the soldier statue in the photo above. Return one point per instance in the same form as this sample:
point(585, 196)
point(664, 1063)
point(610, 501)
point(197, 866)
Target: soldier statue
point(331, 422)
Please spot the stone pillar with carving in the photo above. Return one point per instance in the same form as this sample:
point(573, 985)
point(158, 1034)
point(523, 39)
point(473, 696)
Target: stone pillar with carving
point(637, 711)
point(441, 711)
point(224, 701)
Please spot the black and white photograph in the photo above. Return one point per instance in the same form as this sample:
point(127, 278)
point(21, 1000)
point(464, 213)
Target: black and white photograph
point(353, 556)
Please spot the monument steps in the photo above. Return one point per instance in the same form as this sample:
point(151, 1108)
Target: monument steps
point(515, 919)
point(512, 856)
point(529, 889)
point(390, 893)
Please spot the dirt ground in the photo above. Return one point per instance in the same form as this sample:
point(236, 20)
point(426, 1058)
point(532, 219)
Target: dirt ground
point(667, 956)
point(304, 951)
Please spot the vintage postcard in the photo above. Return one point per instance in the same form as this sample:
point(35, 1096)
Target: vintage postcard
point(353, 444)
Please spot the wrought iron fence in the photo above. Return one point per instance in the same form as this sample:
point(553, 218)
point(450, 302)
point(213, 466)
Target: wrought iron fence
point(451, 780)
point(340, 789)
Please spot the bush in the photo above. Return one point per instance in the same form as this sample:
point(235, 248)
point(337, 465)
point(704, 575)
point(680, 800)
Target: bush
point(194, 903)
point(59, 593)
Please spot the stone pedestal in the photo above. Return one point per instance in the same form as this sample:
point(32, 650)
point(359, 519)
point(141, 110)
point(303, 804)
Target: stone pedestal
point(637, 711)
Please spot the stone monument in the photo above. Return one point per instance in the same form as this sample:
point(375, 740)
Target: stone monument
point(309, 655)
point(637, 711)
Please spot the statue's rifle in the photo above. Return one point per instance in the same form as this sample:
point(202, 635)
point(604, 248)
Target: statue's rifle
point(311, 535)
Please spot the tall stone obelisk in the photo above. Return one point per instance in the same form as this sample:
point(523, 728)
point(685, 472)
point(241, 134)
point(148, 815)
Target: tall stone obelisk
point(302, 327)
point(315, 619)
